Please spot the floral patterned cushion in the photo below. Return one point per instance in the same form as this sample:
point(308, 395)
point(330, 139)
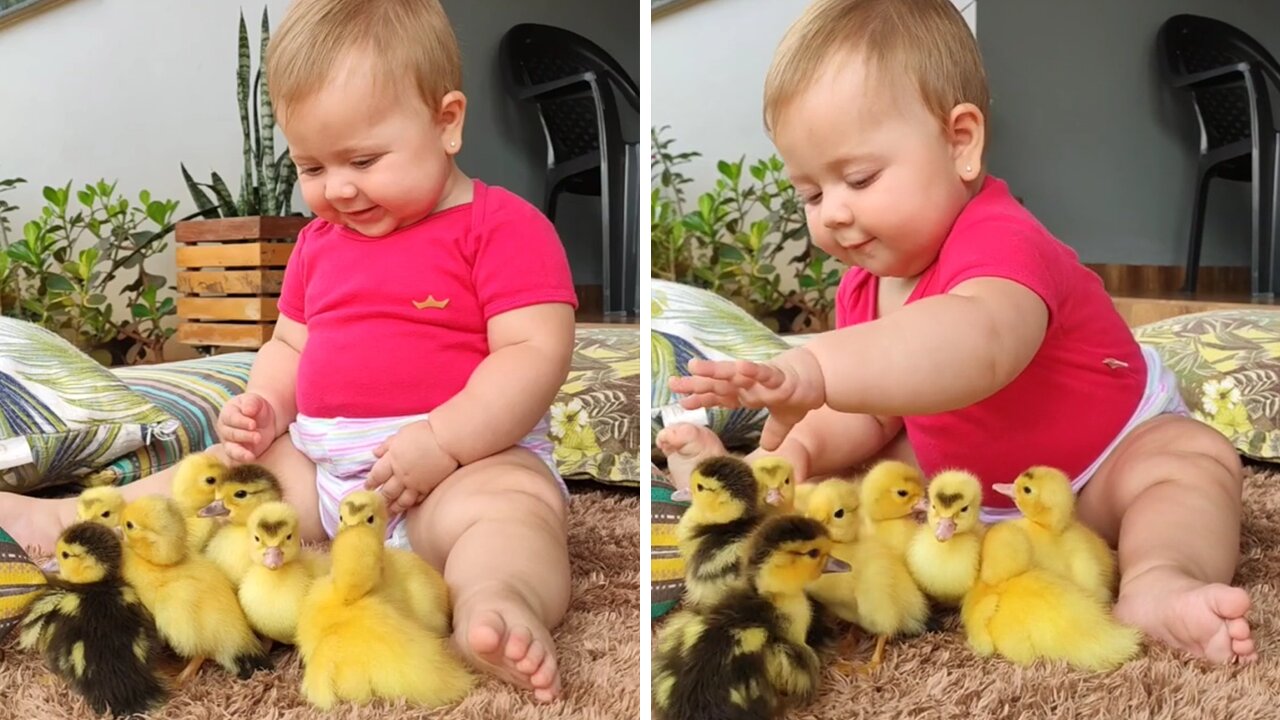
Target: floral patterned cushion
point(1228, 367)
point(595, 419)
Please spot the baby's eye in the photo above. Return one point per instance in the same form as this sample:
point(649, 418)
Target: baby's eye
point(106, 513)
point(839, 513)
point(861, 183)
point(242, 494)
point(363, 163)
point(310, 170)
point(812, 199)
point(902, 493)
point(210, 480)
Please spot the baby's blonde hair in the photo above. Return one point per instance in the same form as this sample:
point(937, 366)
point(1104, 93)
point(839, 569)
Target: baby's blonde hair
point(924, 41)
point(409, 40)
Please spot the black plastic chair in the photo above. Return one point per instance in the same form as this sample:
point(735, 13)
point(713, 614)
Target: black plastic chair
point(577, 88)
point(1227, 73)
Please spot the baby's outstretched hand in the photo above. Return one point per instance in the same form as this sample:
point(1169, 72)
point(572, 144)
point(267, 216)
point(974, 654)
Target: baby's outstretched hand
point(246, 427)
point(410, 465)
point(789, 386)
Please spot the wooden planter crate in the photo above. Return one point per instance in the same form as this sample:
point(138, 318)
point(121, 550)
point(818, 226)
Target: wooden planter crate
point(229, 276)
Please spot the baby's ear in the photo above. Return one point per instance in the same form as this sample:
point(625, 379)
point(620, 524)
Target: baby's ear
point(450, 118)
point(967, 133)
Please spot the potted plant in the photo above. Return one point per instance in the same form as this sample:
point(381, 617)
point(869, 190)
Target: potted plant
point(231, 263)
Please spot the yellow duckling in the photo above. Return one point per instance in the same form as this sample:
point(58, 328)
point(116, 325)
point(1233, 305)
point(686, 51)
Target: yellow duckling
point(240, 492)
point(101, 505)
point(194, 605)
point(1060, 542)
point(744, 656)
point(891, 490)
point(195, 487)
point(282, 573)
point(879, 593)
point(944, 554)
point(713, 531)
point(357, 645)
point(407, 579)
point(776, 479)
point(92, 629)
point(1025, 613)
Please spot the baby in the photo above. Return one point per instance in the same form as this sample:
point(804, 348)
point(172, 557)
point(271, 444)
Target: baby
point(967, 335)
point(426, 324)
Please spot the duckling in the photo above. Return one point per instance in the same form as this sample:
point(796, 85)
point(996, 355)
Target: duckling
point(890, 492)
point(879, 594)
point(194, 605)
point(712, 533)
point(1061, 543)
point(744, 656)
point(357, 644)
point(776, 479)
point(194, 487)
point(282, 573)
point(1024, 613)
point(92, 629)
point(943, 556)
point(100, 505)
point(240, 492)
point(408, 580)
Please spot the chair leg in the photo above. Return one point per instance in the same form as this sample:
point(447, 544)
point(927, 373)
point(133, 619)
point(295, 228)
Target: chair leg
point(613, 202)
point(1270, 221)
point(552, 197)
point(1197, 230)
point(1264, 173)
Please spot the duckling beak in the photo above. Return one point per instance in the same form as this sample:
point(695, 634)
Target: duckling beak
point(273, 558)
point(773, 497)
point(50, 567)
point(214, 509)
point(921, 506)
point(946, 528)
point(1005, 489)
point(835, 565)
point(684, 495)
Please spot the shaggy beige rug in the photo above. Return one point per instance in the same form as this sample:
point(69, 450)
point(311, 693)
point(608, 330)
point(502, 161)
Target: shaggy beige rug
point(598, 645)
point(936, 676)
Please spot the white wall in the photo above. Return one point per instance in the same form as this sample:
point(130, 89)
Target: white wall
point(709, 63)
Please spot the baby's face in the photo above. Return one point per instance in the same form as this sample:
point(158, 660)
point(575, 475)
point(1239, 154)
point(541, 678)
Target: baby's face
point(876, 170)
point(371, 159)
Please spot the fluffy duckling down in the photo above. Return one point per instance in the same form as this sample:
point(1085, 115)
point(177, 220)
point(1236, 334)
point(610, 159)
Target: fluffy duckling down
point(878, 593)
point(712, 532)
point(743, 657)
point(776, 479)
point(944, 554)
point(195, 487)
point(1025, 613)
point(92, 629)
point(101, 505)
point(1061, 543)
point(281, 575)
point(890, 494)
point(357, 644)
point(407, 580)
point(239, 493)
point(194, 606)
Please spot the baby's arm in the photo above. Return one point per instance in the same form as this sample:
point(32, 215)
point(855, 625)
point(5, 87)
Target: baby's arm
point(829, 442)
point(938, 354)
point(250, 422)
point(529, 354)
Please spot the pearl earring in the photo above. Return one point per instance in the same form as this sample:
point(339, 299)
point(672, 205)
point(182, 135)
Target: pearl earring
point(968, 168)
point(453, 143)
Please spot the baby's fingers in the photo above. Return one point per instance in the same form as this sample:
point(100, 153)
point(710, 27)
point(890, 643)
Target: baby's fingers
point(709, 400)
point(238, 453)
point(235, 435)
point(773, 433)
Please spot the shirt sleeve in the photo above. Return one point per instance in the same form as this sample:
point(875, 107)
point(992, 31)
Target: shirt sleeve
point(1012, 252)
point(292, 303)
point(520, 261)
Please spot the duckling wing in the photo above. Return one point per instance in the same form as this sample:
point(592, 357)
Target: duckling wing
point(117, 644)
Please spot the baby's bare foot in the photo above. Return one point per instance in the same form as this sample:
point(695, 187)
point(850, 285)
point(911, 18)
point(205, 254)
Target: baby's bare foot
point(1206, 620)
point(686, 445)
point(500, 634)
point(35, 523)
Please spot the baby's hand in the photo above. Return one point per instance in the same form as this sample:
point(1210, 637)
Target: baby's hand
point(789, 386)
point(410, 465)
point(246, 427)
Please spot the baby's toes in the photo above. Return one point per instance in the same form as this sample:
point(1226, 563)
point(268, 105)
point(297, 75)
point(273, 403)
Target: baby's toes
point(1244, 650)
point(548, 675)
point(533, 659)
point(518, 642)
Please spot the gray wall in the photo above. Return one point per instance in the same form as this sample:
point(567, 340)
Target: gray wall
point(1087, 135)
point(504, 142)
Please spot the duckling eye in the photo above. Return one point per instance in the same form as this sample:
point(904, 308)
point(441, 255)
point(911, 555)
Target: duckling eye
point(839, 513)
point(289, 536)
point(242, 494)
point(902, 492)
point(257, 539)
point(964, 509)
point(1026, 489)
point(370, 520)
point(211, 480)
point(700, 488)
point(812, 553)
point(786, 481)
point(65, 554)
point(106, 513)
point(129, 525)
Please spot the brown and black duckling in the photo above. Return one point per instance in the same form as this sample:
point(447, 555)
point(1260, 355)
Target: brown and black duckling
point(92, 628)
point(713, 531)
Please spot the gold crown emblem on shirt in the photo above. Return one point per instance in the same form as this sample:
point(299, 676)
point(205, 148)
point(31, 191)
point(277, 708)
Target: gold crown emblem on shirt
point(431, 302)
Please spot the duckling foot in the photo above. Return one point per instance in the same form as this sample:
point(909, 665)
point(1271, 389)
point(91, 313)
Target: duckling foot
point(189, 671)
point(686, 445)
point(1206, 620)
point(35, 523)
point(499, 633)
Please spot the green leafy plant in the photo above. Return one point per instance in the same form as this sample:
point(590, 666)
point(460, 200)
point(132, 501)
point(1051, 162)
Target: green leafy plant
point(745, 240)
point(266, 186)
point(74, 253)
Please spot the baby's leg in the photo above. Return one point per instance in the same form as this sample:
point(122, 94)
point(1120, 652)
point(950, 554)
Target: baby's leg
point(37, 522)
point(498, 528)
point(1169, 498)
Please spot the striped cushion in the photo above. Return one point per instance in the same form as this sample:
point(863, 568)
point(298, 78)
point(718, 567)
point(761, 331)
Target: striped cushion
point(20, 582)
point(666, 583)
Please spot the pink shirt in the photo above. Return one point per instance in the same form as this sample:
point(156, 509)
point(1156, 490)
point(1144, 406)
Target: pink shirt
point(1073, 399)
point(397, 324)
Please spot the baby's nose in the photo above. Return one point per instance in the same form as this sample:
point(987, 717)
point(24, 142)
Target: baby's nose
point(836, 215)
point(340, 191)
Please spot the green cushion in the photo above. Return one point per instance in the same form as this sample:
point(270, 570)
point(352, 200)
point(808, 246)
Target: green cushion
point(20, 582)
point(61, 413)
